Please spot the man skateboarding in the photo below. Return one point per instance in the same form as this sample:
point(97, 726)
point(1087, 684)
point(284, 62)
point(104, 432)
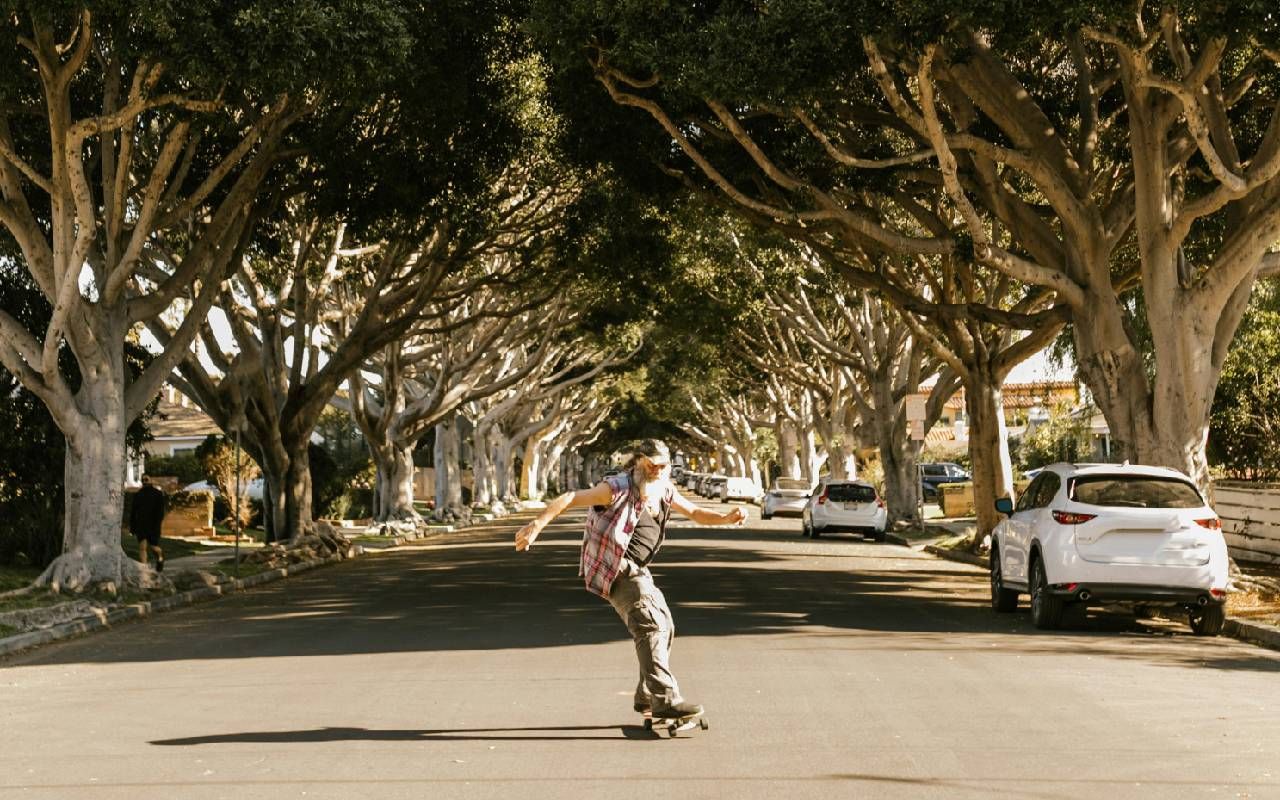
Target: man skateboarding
point(625, 529)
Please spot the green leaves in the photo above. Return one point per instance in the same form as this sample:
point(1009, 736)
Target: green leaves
point(1244, 429)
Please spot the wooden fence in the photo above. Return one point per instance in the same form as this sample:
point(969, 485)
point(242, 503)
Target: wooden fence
point(1250, 519)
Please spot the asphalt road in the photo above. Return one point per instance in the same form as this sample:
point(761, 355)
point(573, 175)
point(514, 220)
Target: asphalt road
point(836, 668)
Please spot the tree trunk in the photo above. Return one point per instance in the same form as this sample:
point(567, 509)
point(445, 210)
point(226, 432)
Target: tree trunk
point(482, 469)
point(448, 471)
point(898, 456)
point(1166, 426)
point(297, 494)
point(529, 471)
point(1117, 378)
point(988, 450)
point(503, 469)
point(810, 458)
point(396, 494)
point(93, 470)
point(788, 449)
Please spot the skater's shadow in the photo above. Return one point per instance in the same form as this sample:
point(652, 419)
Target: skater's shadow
point(541, 733)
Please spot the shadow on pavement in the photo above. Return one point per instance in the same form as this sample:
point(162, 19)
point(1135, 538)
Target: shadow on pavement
point(475, 593)
point(557, 733)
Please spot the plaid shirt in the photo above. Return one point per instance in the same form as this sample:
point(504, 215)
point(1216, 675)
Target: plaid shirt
point(609, 529)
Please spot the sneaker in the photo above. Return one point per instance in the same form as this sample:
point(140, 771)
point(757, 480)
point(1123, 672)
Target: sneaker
point(642, 708)
point(681, 709)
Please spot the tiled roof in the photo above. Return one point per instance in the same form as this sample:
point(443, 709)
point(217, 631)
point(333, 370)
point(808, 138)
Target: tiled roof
point(173, 420)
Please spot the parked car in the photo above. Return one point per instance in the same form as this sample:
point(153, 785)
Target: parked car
point(786, 496)
point(740, 489)
point(934, 475)
point(691, 480)
point(711, 489)
point(844, 506)
point(251, 489)
point(703, 483)
point(1090, 534)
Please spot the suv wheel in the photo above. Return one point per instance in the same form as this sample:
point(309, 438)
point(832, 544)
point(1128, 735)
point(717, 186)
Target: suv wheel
point(1207, 620)
point(1046, 610)
point(1002, 600)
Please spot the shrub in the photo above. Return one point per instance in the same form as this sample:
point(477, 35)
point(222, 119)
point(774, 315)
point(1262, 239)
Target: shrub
point(1063, 438)
point(186, 467)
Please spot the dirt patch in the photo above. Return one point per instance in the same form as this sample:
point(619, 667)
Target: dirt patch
point(1257, 595)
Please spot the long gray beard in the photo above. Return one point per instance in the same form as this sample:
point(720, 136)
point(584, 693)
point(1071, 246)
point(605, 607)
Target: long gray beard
point(640, 480)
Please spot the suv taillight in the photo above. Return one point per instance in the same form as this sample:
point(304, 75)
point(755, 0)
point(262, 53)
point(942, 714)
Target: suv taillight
point(1212, 523)
point(880, 501)
point(1071, 518)
point(822, 498)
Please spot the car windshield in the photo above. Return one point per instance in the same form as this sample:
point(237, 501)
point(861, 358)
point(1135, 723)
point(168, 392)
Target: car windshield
point(1135, 491)
point(790, 484)
point(850, 493)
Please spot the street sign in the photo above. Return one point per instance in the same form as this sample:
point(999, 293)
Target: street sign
point(916, 405)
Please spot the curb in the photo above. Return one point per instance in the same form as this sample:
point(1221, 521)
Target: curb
point(952, 555)
point(24, 641)
point(1255, 632)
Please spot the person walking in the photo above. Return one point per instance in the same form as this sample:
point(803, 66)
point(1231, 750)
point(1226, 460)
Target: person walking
point(145, 519)
point(626, 527)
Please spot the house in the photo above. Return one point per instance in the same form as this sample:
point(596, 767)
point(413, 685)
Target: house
point(178, 426)
point(1022, 401)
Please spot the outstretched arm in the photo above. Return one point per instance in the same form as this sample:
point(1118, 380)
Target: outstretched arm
point(599, 495)
point(702, 516)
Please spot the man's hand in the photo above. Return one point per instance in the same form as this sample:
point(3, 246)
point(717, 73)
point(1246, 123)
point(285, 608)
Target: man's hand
point(737, 516)
point(526, 536)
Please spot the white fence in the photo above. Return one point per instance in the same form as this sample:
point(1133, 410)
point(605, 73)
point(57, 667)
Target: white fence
point(1250, 519)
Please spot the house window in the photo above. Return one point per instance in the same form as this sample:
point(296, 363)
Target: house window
point(181, 451)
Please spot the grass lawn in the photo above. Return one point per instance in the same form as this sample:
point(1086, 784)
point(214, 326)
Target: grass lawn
point(17, 577)
point(173, 548)
point(255, 534)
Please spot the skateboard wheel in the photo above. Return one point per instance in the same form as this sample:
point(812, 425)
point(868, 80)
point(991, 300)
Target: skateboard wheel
point(706, 726)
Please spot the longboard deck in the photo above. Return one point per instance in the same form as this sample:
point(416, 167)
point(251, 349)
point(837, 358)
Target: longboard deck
point(675, 725)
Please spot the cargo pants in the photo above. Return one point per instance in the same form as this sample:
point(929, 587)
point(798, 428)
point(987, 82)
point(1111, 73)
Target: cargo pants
point(641, 605)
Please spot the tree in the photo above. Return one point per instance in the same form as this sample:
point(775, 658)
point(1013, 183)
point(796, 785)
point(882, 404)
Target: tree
point(1244, 431)
point(130, 168)
point(1084, 150)
point(404, 190)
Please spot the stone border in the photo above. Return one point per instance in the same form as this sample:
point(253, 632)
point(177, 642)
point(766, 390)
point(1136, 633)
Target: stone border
point(1252, 632)
point(24, 641)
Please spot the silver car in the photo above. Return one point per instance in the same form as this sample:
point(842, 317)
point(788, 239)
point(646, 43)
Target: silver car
point(786, 496)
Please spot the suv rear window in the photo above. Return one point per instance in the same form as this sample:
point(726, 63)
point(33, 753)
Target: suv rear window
point(791, 484)
point(1135, 491)
point(850, 493)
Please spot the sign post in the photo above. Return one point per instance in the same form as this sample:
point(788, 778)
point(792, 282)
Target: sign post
point(917, 404)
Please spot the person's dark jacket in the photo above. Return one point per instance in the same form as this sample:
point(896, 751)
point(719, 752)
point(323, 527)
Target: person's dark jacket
point(149, 505)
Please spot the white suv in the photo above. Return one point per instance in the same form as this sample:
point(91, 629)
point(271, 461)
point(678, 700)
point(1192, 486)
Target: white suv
point(1097, 533)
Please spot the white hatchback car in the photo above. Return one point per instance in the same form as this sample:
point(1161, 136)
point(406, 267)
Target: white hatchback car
point(739, 489)
point(844, 506)
point(1090, 534)
point(787, 496)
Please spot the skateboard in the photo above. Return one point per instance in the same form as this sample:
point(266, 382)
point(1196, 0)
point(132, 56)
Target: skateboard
point(675, 725)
